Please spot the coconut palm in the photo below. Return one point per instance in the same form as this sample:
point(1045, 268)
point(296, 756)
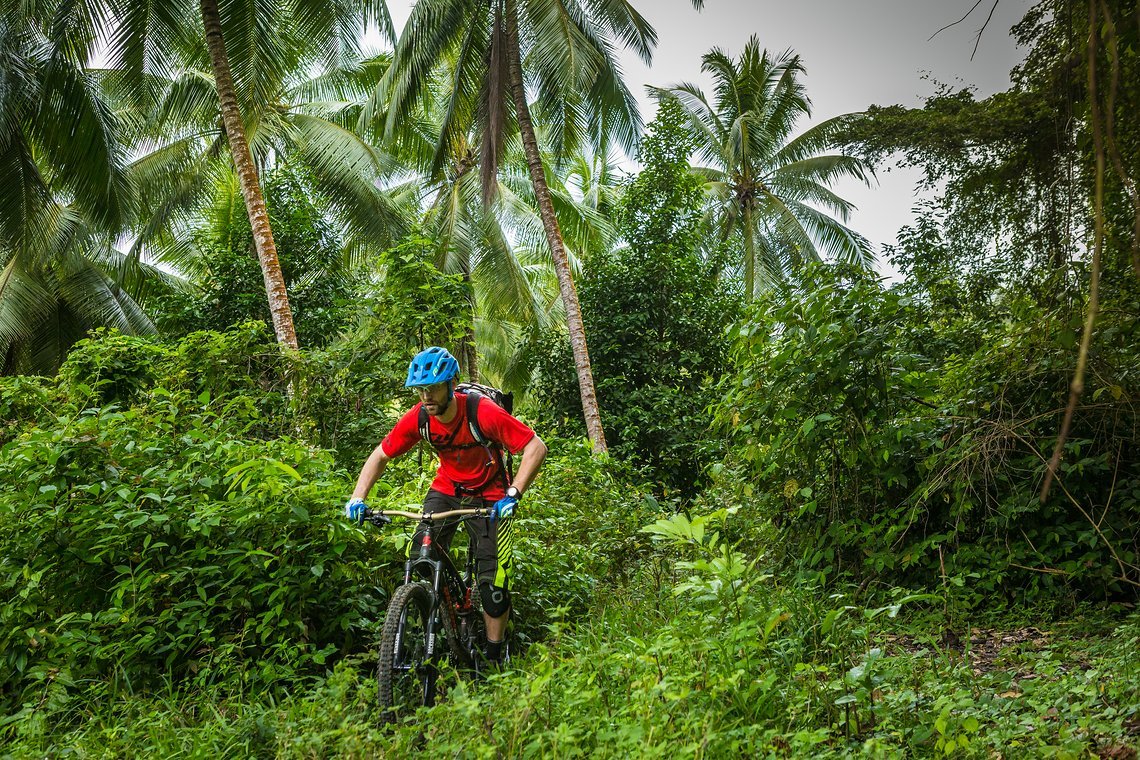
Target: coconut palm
point(252, 48)
point(303, 124)
point(490, 49)
point(495, 244)
point(470, 237)
point(486, 241)
point(65, 198)
point(766, 184)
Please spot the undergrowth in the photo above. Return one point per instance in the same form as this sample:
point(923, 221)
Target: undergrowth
point(700, 653)
point(179, 582)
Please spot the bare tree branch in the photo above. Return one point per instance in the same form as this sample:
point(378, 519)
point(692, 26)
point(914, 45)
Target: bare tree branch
point(978, 39)
point(955, 23)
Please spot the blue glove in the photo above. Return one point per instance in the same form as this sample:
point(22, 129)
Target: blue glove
point(354, 510)
point(505, 507)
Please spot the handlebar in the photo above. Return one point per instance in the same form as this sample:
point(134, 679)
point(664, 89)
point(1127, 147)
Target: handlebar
point(384, 516)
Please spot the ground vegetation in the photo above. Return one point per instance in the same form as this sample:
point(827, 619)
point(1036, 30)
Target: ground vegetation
point(845, 517)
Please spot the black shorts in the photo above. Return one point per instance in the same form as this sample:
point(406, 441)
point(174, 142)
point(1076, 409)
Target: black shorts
point(491, 541)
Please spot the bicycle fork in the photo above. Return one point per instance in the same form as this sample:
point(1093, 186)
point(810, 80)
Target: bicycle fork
point(439, 604)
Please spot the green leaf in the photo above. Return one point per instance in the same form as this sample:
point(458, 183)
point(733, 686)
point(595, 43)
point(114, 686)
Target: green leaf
point(830, 619)
point(285, 469)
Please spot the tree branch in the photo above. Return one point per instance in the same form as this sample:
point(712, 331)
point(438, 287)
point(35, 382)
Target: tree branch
point(955, 23)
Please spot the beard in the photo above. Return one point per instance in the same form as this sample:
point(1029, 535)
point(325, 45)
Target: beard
point(435, 409)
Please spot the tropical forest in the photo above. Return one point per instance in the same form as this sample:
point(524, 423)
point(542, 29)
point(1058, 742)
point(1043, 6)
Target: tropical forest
point(805, 493)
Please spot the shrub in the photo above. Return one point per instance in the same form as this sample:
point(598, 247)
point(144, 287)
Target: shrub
point(874, 449)
point(147, 543)
point(175, 533)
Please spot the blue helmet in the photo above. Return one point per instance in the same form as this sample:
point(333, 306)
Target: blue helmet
point(430, 366)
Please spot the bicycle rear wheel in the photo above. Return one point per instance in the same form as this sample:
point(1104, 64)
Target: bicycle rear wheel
point(406, 676)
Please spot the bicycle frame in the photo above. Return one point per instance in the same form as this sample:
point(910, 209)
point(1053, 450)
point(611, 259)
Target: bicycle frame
point(450, 592)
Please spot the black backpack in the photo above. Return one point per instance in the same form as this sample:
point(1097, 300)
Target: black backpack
point(475, 393)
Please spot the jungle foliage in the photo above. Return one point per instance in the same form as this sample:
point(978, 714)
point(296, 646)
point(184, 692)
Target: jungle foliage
point(886, 437)
point(228, 287)
point(821, 527)
point(172, 480)
point(1023, 271)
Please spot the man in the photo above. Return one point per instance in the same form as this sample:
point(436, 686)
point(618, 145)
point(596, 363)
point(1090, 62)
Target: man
point(469, 475)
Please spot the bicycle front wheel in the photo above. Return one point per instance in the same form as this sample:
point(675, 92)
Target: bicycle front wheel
point(407, 677)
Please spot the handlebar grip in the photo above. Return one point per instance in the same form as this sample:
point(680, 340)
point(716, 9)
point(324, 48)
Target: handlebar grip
point(376, 518)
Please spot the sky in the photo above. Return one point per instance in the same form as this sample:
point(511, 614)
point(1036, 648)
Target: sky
point(856, 53)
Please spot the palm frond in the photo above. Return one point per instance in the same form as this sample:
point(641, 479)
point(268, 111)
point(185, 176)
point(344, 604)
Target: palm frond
point(432, 29)
point(189, 100)
point(145, 40)
point(25, 187)
point(846, 245)
point(709, 132)
point(344, 170)
point(263, 46)
point(24, 301)
point(620, 19)
point(76, 130)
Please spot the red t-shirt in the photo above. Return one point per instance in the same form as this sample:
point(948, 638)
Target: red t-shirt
point(472, 467)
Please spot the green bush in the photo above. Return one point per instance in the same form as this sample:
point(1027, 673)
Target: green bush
point(877, 441)
point(22, 398)
point(160, 520)
point(162, 523)
point(229, 287)
point(150, 543)
point(577, 534)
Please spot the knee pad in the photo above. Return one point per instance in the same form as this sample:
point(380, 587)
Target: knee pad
point(496, 600)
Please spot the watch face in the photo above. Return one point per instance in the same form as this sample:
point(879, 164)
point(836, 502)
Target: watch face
point(513, 492)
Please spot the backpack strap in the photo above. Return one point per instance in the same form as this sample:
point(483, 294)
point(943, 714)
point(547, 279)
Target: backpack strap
point(494, 449)
point(473, 399)
point(440, 444)
point(422, 424)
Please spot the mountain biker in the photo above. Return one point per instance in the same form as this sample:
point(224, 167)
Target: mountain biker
point(469, 475)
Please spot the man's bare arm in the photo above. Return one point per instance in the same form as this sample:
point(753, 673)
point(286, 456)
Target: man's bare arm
point(370, 473)
point(532, 455)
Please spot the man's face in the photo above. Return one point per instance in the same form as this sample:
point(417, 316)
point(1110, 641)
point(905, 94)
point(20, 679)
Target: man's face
point(434, 398)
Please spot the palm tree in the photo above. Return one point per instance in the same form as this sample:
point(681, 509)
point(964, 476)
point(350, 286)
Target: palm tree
point(65, 199)
point(301, 123)
point(252, 47)
point(490, 48)
point(471, 238)
point(493, 244)
point(765, 183)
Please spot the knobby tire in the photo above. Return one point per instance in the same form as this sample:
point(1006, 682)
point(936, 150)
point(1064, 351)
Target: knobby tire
point(406, 678)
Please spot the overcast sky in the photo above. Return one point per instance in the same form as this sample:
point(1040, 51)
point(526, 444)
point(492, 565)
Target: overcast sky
point(856, 53)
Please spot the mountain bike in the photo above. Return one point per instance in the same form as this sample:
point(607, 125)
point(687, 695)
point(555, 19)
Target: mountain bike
point(435, 598)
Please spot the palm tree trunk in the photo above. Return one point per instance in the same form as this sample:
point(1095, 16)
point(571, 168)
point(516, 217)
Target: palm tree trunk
point(749, 256)
point(470, 358)
point(590, 409)
point(247, 176)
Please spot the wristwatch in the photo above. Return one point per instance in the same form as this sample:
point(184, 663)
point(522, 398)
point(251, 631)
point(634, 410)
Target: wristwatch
point(513, 492)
